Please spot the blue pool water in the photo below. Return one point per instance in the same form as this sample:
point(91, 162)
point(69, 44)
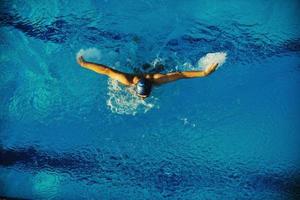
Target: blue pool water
point(69, 133)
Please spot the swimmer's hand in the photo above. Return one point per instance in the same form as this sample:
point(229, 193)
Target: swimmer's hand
point(211, 69)
point(80, 60)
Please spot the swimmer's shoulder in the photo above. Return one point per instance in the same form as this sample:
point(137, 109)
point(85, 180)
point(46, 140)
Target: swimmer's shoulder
point(136, 79)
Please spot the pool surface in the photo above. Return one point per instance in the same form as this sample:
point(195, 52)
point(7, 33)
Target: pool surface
point(69, 133)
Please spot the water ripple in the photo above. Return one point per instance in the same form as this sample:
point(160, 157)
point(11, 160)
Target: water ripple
point(169, 177)
point(243, 42)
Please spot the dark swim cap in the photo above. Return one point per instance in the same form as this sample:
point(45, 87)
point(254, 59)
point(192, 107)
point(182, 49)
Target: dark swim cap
point(143, 87)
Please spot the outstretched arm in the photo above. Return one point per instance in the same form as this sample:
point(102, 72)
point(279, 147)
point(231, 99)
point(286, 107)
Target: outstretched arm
point(173, 76)
point(124, 78)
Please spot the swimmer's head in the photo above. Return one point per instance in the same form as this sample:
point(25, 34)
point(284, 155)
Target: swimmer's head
point(143, 88)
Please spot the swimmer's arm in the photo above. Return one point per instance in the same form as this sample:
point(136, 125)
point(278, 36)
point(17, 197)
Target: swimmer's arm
point(98, 68)
point(124, 78)
point(173, 76)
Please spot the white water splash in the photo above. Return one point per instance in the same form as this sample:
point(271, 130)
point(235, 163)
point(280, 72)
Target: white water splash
point(157, 61)
point(90, 53)
point(211, 58)
point(186, 121)
point(122, 100)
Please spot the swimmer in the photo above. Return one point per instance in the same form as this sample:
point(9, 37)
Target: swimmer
point(143, 83)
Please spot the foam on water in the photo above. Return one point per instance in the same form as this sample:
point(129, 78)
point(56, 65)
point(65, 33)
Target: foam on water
point(157, 61)
point(122, 100)
point(203, 62)
point(90, 53)
point(211, 58)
